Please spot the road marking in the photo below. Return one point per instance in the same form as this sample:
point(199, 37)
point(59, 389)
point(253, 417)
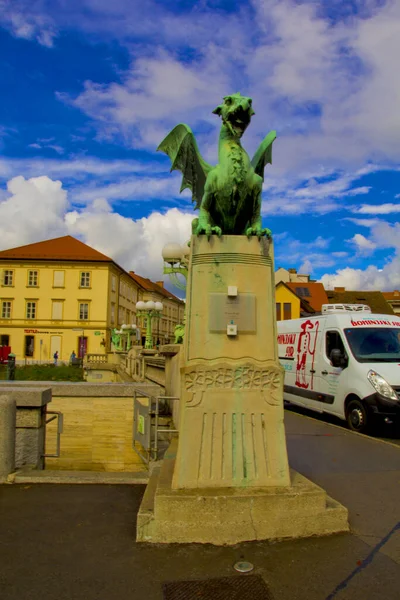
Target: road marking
point(364, 563)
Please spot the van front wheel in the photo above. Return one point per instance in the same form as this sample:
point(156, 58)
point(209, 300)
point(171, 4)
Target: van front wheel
point(357, 416)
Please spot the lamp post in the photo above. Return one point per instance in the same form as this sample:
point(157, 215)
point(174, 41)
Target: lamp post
point(128, 330)
point(149, 310)
point(177, 259)
point(117, 336)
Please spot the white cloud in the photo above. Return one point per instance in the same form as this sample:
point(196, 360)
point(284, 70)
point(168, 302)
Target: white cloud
point(27, 22)
point(34, 211)
point(363, 245)
point(380, 209)
point(374, 276)
point(286, 196)
point(306, 267)
point(305, 256)
point(371, 278)
point(38, 209)
point(158, 92)
point(318, 82)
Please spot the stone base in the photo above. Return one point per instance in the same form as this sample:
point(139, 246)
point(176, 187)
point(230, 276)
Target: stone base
point(228, 516)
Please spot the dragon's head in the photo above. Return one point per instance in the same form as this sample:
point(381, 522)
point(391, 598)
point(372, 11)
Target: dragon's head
point(236, 112)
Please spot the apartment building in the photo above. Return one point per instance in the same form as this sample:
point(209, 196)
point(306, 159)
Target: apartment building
point(173, 312)
point(61, 295)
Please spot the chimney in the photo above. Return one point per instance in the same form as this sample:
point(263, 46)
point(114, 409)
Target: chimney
point(160, 283)
point(339, 289)
point(293, 271)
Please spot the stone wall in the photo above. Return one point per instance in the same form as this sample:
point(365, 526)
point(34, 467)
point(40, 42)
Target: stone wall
point(98, 425)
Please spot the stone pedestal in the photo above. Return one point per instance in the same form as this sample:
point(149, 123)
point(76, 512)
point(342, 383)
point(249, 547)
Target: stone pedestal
point(31, 403)
point(228, 516)
point(229, 479)
point(231, 423)
point(7, 436)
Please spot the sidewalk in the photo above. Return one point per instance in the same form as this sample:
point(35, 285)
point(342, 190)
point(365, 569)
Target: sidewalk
point(76, 542)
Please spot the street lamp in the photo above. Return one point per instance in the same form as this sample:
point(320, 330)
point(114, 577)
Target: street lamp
point(128, 330)
point(117, 336)
point(149, 310)
point(177, 257)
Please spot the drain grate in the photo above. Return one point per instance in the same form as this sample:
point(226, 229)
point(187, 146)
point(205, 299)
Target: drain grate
point(250, 587)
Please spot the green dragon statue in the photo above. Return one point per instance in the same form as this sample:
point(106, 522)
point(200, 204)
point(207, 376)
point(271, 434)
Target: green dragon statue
point(228, 195)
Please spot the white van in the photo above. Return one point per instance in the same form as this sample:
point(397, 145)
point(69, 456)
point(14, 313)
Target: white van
point(345, 362)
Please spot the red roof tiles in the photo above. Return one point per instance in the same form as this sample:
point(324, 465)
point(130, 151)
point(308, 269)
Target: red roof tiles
point(62, 248)
point(313, 293)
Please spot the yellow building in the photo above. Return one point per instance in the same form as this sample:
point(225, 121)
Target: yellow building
point(61, 296)
point(173, 309)
point(299, 299)
point(287, 303)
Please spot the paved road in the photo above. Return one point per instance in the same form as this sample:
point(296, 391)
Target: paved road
point(77, 542)
point(382, 431)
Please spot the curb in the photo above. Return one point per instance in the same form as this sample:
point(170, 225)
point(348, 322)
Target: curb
point(77, 477)
point(346, 430)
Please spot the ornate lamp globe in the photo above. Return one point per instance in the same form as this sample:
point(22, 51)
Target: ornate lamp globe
point(140, 305)
point(159, 306)
point(185, 251)
point(172, 253)
point(124, 326)
point(150, 305)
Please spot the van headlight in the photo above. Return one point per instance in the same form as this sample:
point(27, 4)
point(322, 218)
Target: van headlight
point(381, 385)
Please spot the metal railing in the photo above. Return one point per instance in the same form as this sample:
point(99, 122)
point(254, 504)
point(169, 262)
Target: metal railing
point(60, 427)
point(146, 427)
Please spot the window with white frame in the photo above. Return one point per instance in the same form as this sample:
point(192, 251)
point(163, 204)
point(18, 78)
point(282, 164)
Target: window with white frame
point(6, 309)
point(85, 279)
point(8, 277)
point(83, 311)
point(32, 278)
point(58, 278)
point(31, 307)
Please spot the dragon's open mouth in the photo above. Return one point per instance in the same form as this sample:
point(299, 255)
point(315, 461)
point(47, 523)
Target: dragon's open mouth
point(239, 119)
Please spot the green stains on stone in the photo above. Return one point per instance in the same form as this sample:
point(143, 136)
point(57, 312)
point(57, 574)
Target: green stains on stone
point(234, 445)
point(244, 449)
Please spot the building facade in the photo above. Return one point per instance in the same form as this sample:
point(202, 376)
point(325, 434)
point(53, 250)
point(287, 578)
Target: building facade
point(393, 299)
point(172, 314)
point(290, 276)
point(62, 296)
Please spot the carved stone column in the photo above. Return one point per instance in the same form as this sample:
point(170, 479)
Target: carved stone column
point(231, 423)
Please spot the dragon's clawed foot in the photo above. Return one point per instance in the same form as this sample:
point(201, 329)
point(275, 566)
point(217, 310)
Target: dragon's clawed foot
point(208, 230)
point(259, 232)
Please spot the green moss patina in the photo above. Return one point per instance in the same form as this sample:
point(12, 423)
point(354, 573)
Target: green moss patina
point(228, 195)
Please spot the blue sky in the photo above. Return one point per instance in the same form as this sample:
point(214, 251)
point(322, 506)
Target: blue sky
point(90, 88)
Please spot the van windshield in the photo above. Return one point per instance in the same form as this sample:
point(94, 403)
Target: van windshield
point(374, 344)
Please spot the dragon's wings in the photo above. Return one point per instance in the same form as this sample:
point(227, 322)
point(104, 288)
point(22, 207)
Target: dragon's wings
point(180, 145)
point(263, 155)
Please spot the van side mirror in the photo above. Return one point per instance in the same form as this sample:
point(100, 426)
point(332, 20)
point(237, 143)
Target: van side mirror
point(338, 359)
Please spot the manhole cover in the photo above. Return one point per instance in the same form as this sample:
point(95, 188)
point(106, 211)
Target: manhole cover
point(250, 587)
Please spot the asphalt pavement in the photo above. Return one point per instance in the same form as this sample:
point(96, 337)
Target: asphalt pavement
point(387, 432)
point(77, 542)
